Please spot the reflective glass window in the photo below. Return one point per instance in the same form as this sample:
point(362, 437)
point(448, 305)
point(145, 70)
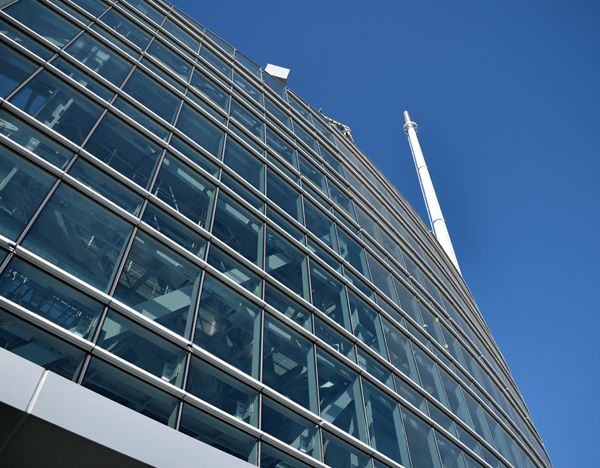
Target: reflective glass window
point(340, 454)
point(95, 7)
point(450, 454)
point(288, 364)
point(228, 326)
point(273, 458)
point(238, 228)
point(421, 443)
point(185, 190)
point(250, 89)
point(334, 339)
point(430, 378)
point(247, 166)
point(38, 346)
point(284, 196)
point(223, 391)
point(234, 270)
point(352, 252)
point(295, 104)
point(212, 431)
point(376, 369)
point(58, 106)
point(290, 428)
point(386, 429)
point(148, 92)
point(106, 186)
point(50, 298)
point(328, 295)
point(366, 324)
point(160, 284)
point(143, 118)
point(194, 155)
point(292, 230)
point(287, 306)
point(340, 199)
point(400, 350)
point(381, 277)
point(280, 115)
point(162, 74)
point(43, 21)
point(312, 173)
point(124, 149)
point(324, 255)
point(126, 28)
point(170, 59)
point(182, 35)
point(247, 119)
point(174, 229)
point(215, 61)
point(83, 78)
point(113, 39)
point(340, 398)
point(282, 148)
point(242, 190)
point(142, 348)
point(147, 10)
point(306, 138)
point(14, 68)
point(286, 263)
point(23, 186)
point(23, 39)
point(131, 392)
point(199, 129)
point(82, 237)
point(210, 89)
point(319, 224)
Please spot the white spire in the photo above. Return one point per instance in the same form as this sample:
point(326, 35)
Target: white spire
point(438, 225)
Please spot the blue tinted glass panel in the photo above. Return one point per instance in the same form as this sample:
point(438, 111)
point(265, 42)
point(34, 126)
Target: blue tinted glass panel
point(421, 443)
point(24, 40)
point(284, 196)
point(400, 351)
point(170, 59)
point(288, 363)
point(286, 263)
point(287, 306)
point(83, 78)
point(43, 21)
point(182, 35)
point(223, 391)
point(14, 68)
point(247, 87)
point(228, 326)
point(23, 186)
point(319, 224)
point(273, 458)
point(50, 298)
point(352, 252)
point(366, 324)
point(95, 7)
point(148, 92)
point(160, 284)
point(334, 339)
point(145, 9)
point(124, 149)
point(328, 295)
point(82, 237)
point(244, 164)
point(58, 106)
point(339, 454)
point(106, 186)
point(252, 123)
point(376, 369)
point(215, 61)
point(199, 129)
point(234, 270)
point(194, 155)
point(282, 148)
point(127, 390)
point(142, 348)
point(185, 190)
point(38, 346)
point(210, 89)
point(218, 434)
point(126, 28)
point(241, 190)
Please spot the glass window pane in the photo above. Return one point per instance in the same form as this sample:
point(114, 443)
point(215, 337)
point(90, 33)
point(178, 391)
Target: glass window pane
point(174, 229)
point(23, 186)
point(223, 391)
point(284, 196)
point(280, 115)
point(212, 431)
point(285, 224)
point(430, 378)
point(170, 60)
point(228, 326)
point(287, 306)
point(290, 428)
point(328, 295)
point(400, 350)
point(366, 324)
point(215, 61)
point(160, 284)
point(83, 78)
point(282, 148)
point(152, 95)
point(194, 155)
point(273, 458)
point(58, 106)
point(241, 190)
point(23, 39)
point(339, 454)
point(199, 129)
point(82, 237)
point(185, 190)
point(381, 277)
point(50, 298)
point(286, 263)
point(144, 119)
point(38, 346)
point(147, 10)
point(124, 149)
point(250, 121)
point(319, 224)
point(252, 91)
point(288, 364)
point(384, 420)
point(43, 21)
point(376, 369)
point(126, 28)
point(106, 186)
point(95, 7)
point(352, 252)
point(182, 35)
point(247, 166)
point(210, 89)
point(142, 348)
point(14, 68)
point(421, 443)
point(234, 270)
point(240, 230)
point(334, 339)
point(127, 390)
point(339, 396)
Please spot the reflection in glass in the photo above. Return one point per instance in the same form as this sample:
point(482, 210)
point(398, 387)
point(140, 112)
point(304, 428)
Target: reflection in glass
point(286, 263)
point(328, 295)
point(339, 454)
point(14, 68)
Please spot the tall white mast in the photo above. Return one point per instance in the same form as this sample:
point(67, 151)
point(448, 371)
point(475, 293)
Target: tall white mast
point(431, 202)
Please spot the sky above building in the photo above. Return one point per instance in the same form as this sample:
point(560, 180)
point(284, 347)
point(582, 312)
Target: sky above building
point(506, 97)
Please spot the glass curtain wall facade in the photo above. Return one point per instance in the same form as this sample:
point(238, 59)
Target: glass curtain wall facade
point(181, 233)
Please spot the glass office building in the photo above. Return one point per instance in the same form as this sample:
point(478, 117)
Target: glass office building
point(185, 236)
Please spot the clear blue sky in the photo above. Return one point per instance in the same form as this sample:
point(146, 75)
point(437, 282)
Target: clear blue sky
point(507, 97)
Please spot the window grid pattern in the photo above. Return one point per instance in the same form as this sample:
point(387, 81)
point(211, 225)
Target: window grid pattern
point(140, 208)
